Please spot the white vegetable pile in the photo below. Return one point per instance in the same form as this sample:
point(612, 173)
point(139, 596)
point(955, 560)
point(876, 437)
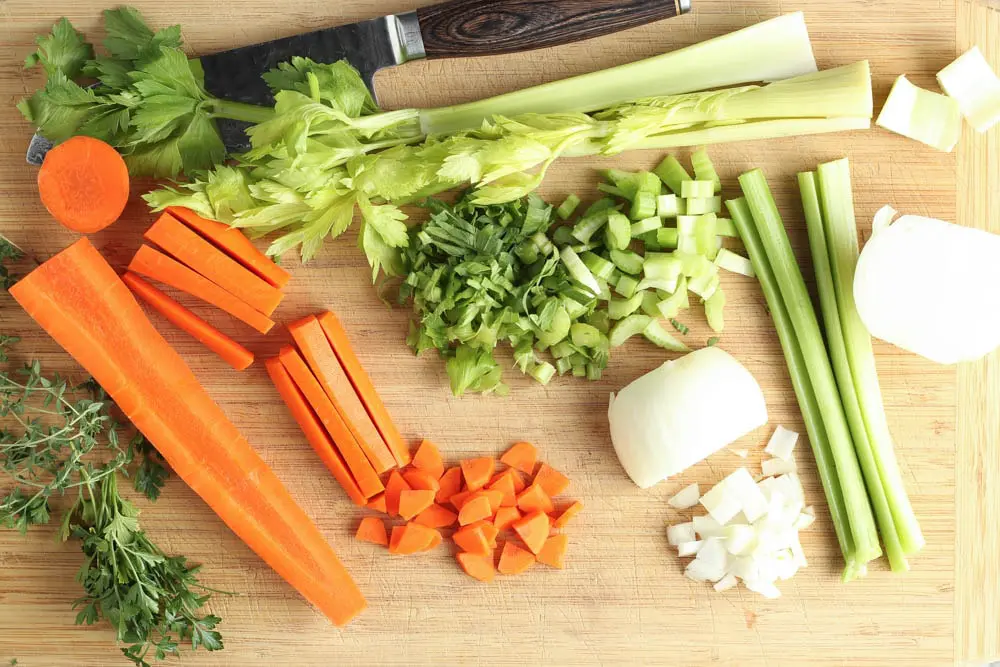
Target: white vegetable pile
point(751, 531)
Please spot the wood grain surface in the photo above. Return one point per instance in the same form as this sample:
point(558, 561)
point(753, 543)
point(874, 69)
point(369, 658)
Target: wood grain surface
point(622, 598)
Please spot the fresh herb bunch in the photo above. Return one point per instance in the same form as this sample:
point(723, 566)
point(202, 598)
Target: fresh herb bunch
point(8, 253)
point(64, 441)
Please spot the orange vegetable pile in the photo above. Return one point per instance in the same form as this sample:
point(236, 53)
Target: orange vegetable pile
point(486, 505)
point(211, 262)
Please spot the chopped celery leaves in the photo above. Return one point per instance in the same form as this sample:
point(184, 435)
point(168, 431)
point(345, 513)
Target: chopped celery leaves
point(679, 326)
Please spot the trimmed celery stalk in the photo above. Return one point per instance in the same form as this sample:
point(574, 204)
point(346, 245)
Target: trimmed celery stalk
point(704, 170)
point(627, 261)
point(543, 372)
point(650, 224)
point(667, 237)
point(666, 206)
point(804, 393)
point(657, 335)
point(578, 270)
point(842, 239)
point(568, 206)
point(627, 286)
point(714, 307)
point(584, 335)
point(697, 190)
point(803, 317)
point(621, 308)
point(725, 227)
point(842, 369)
point(643, 206)
point(589, 225)
point(600, 267)
point(633, 325)
point(618, 233)
point(673, 174)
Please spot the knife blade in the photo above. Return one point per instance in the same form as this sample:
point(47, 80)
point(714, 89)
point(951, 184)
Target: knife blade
point(457, 28)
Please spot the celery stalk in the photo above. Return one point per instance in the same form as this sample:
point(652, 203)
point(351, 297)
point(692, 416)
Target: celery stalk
point(803, 317)
point(842, 238)
point(841, 367)
point(797, 369)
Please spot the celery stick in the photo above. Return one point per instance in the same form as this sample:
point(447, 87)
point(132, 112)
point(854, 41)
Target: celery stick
point(714, 307)
point(627, 261)
point(842, 239)
point(568, 206)
point(666, 206)
point(803, 317)
point(667, 238)
point(632, 325)
point(841, 367)
point(543, 372)
point(643, 206)
point(704, 170)
point(618, 233)
point(697, 190)
point(818, 439)
point(657, 335)
point(627, 286)
point(650, 224)
point(673, 174)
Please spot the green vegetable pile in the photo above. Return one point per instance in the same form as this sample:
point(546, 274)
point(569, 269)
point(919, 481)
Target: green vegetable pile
point(564, 294)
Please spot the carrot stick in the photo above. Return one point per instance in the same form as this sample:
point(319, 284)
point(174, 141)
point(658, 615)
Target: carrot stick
point(522, 456)
point(514, 559)
point(235, 243)
point(553, 553)
point(231, 352)
point(315, 348)
point(478, 472)
point(372, 530)
point(335, 333)
point(77, 298)
point(477, 566)
point(153, 264)
point(428, 459)
point(451, 483)
point(362, 471)
point(534, 530)
point(188, 248)
point(551, 480)
point(83, 183)
point(313, 429)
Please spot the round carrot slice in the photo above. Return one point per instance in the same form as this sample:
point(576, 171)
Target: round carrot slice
point(84, 184)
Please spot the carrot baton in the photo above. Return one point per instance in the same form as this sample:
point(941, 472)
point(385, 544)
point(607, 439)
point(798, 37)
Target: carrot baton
point(231, 352)
point(79, 300)
point(363, 385)
point(313, 429)
point(153, 264)
point(188, 248)
point(235, 243)
point(315, 348)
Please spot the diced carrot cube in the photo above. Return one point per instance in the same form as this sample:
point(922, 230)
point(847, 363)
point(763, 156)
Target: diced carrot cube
point(568, 514)
point(553, 553)
point(514, 559)
point(421, 479)
point(378, 504)
point(490, 532)
point(506, 516)
point(451, 483)
point(460, 499)
point(477, 472)
point(410, 539)
point(504, 483)
point(534, 499)
point(471, 539)
point(533, 530)
point(475, 509)
point(522, 456)
point(477, 566)
point(393, 488)
point(550, 479)
point(436, 516)
point(373, 530)
point(414, 501)
point(428, 459)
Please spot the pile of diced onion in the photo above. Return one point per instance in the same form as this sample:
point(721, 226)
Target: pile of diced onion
point(751, 531)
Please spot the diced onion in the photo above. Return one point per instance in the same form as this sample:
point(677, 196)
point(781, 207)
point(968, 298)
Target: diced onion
point(782, 443)
point(680, 533)
point(686, 497)
point(777, 466)
point(926, 116)
point(972, 83)
point(685, 549)
point(742, 453)
point(706, 526)
point(724, 584)
point(883, 218)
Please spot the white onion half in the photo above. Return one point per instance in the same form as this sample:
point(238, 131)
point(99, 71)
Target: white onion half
point(930, 287)
point(684, 411)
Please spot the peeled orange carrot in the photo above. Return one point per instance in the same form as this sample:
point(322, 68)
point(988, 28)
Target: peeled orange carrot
point(533, 530)
point(436, 516)
point(477, 566)
point(420, 479)
point(568, 514)
point(534, 499)
point(393, 488)
point(550, 479)
point(475, 509)
point(471, 539)
point(84, 184)
point(373, 530)
point(451, 483)
point(522, 456)
point(553, 553)
point(514, 559)
point(414, 501)
point(378, 504)
point(477, 472)
point(428, 459)
point(505, 517)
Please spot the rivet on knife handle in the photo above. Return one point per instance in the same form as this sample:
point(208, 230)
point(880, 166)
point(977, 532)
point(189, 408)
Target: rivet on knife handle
point(487, 27)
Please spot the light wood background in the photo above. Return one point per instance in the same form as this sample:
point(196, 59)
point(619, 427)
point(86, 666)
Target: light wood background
point(622, 598)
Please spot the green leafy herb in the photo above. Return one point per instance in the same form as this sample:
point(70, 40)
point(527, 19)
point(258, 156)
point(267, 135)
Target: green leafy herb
point(64, 51)
point(8, 253)
point(713, 341)
point(66, 442)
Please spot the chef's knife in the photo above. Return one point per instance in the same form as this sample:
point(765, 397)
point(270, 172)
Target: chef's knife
point(457, 28)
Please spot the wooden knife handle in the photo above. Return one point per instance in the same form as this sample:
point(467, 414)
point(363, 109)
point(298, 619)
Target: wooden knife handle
point(461, 28)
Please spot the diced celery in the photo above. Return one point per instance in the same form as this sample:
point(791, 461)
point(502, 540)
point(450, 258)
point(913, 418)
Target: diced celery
point(699, 205)
point(725, 227)
point(602, 204)
point(543, 243)
point(681, 328)
point(972, 83)
point(574, 308)
point(715, 204)
point(615, 277)
point(563, 365)
point(568, 206)
point(632, 325)
point(928, 117)
point(589, 225)
point(704, 285)
point(543, 372)
point(593, 372)
point(677, 301)
point(650, 303)
point(666, 206)
point(600, 320)
point(667, 237)
point(657, 335)
point(563, 235)
point(645, 225)
point(627, 261)
point(643, 206)
point(714, 306)
point(613, 190)
point(603, 290)
point(649, 183)
point(650, 240)
point(667, 285)
point(672, 173)
point(579, 271)
point(557, 330)
point(621, 308)
point(581, 248)
point(626, 286)
point(686, 224)
point(527, 252)
point(580, 371)
point(524, 356)
point(687, 243)
point(705, 236)
point(600, 267)
point(618, 233)
point(563, 348)
point(659, 266)
point(697, 190)
point(584, 335)
point(704, 170)
point(730, 261)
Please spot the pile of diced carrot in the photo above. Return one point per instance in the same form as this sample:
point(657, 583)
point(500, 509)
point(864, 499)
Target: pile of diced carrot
point(483, 502)
point(215, 263)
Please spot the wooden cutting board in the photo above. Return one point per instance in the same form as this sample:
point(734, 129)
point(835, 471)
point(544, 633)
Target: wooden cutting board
point(622, 598)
